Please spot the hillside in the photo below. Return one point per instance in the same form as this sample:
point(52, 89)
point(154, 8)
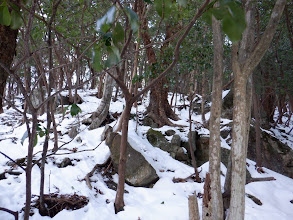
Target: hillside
point(165, 200)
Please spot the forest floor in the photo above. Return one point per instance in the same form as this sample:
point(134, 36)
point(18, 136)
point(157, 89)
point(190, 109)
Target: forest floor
point(166, 200)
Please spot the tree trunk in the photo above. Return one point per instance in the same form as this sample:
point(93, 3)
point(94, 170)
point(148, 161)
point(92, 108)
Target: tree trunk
point(256, 114)
point(119, 200)
point(193, 207)
point(215, 141)
point(100, 86)
point(238, 152)
point(206, 201)
point(203, 97)
point(102, 111)
point(245, 57)
point(7, 51)
point(32, 138)
point(159, 108)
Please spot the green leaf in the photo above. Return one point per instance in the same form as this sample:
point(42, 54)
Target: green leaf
point(97, 62)
point(25, 1)
point(159, 7)
point(182, 3)
point(6, 16)
point(133, 18)
point(230, 27)
point(74, 109)
point(118, 34)
point(16, 20)
point(148, 1)
point(207, 16)
point(114, 56)
point(219, 13)
point(36, 140)
point(65, 109)
point(163, 7)
point(105, 28)
point(234, 22)
point(1, 14)
point(24, 136)
point(42, 133)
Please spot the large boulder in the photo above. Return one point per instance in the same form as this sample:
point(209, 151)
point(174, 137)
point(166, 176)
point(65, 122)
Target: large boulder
point(138, 171)
point(276, 155)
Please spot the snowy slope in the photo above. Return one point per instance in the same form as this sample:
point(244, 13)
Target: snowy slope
point(166, 200)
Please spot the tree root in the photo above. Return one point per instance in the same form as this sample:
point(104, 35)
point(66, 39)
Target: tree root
point(87, 177)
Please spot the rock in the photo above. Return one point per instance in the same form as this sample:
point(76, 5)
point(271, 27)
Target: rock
point(227, 106)
point(78, 139)
point(176, 140)
point(275, 155)
point(181, 155)
point(170, 132)
point(138, 171)
point(157, 139)
point(106, 131)
point(66, 162)
point(73, 132)
point(226, 131)
point(202, 150)
point(225, 154)
point(148, 121)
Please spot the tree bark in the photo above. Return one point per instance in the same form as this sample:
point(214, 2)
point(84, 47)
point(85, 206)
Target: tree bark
point(32, 138)
point(119, 200)
point(206, 201)
point(214, 124)
point(102, 111)
point(244, 60)
point(193, 207)
point(203, 98)
point(7, 51)
point(256, 114)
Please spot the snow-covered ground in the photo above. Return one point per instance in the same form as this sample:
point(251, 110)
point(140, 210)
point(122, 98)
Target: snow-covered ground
point(166, 200)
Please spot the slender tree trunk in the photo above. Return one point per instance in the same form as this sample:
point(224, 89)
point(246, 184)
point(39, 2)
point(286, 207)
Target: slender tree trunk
point(32, 138)
point(43, 210)
point(206, 201)
point(215, 141)
point(256, 113)
point(203, 97)
point(119, 200)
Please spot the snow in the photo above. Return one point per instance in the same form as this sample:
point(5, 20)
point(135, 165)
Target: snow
point(166, 200)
